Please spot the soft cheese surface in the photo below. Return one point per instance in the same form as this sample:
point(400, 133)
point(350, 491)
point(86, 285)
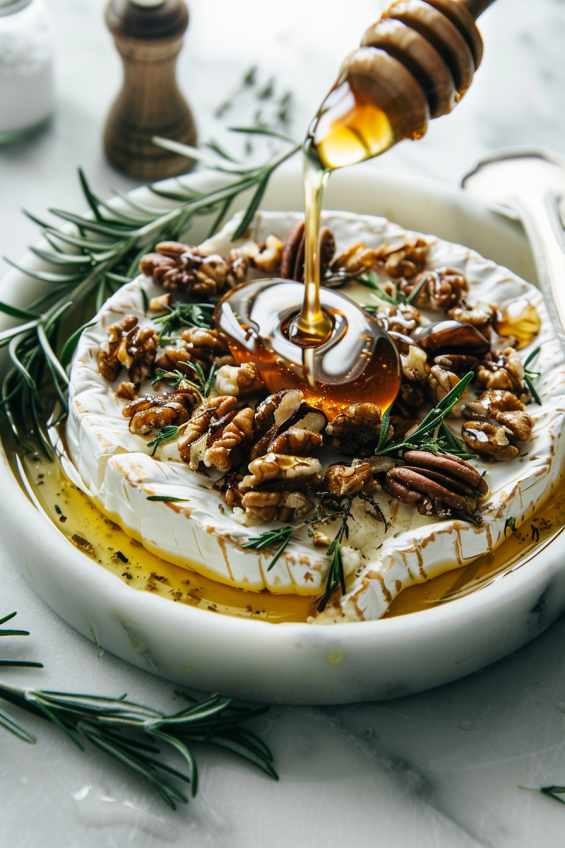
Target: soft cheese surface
point(203, 533)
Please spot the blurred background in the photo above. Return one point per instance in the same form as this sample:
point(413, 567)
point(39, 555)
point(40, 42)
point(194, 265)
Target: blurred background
point(297, 48)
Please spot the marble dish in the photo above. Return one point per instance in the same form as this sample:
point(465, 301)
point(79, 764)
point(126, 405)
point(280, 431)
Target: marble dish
point(296, 663)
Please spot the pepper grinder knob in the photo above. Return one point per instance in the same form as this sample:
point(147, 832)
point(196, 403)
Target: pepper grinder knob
point(148, 35)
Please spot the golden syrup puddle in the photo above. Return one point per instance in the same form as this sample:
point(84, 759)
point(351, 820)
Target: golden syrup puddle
point(88, 529)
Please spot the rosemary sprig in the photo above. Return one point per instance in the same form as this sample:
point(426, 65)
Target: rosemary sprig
point(336, 577)
point(271, 539)
point(128, 732)
point(530, 376)
point(167, 434)
point(18, 663)
point(432, 434)
point(548, 791)
point(176, 379)
point(185, 315)
point(371, 281)
point(102, 253)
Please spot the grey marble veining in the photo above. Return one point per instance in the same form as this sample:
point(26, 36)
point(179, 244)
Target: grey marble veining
point(435, 770)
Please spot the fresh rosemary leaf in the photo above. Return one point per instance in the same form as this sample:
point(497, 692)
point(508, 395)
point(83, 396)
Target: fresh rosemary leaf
point(70, 345)
point(166, 498)
point(336, 577)
point(15, 312)
point(125, 731)
point(371, 281)
point(530, 376)
point(262, 131)
point(90, 198)
point(273, 538)
point(531, 357)
point(217, 164)
point(385, 424)
point(185, 315)
point(415, 291)
point(45, 276)
point(62, 259)
point(433, 419)
point(167, 434)
point(247, 216)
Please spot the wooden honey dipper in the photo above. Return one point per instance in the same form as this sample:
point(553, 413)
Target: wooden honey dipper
point(414, 64)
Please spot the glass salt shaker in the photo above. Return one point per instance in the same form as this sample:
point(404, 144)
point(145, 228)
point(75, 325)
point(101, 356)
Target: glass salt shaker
point(26, 68)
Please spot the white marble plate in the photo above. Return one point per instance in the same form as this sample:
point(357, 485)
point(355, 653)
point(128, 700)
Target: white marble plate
point(296, 663)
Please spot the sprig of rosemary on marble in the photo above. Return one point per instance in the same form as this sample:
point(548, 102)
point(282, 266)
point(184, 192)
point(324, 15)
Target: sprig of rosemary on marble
point(128, 732)
point(432, 433)
point(18, 663)
point(89, 260)
point(548, 791)
point(530, 376)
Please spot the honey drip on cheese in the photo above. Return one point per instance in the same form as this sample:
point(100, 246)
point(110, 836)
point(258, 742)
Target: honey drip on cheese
point(520, 319)
point(112, 548)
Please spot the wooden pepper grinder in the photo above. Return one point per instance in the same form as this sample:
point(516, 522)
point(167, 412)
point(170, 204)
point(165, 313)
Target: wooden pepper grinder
point(148, 35)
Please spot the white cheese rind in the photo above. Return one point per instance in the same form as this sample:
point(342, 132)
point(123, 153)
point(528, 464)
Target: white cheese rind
point(203, 533)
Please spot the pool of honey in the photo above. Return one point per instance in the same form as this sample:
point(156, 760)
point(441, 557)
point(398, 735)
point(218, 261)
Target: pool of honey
point(86, 527)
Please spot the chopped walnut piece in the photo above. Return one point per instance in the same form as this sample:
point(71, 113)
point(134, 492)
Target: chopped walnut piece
point(519, 423)
point(177, 358)
point(153, 412)
point(159, 304)
point(456, 362)
point(180, 266)
point(284, 506)
point(489, 439)
point(501, 370)
point(404, 260)
point(354, 429)
point(204, 344)
point(127, 390)
point(415, 364)
point(296, 442)
point(441, 289)
point(238, 380)
point(348, 479)
point(402, 318)
point(266, 257)
point(227, 434)
point(276, 409)
point(130, 346)
point(273, 467)
point(480, 316)
point(193, 443)
point(491, 403)
point(440, 383)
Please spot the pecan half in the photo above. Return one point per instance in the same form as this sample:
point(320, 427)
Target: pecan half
point(292, 257)
point(128, 346)
point(225, 436)
point(437, 484)
point(440, 289)
point(152, 412)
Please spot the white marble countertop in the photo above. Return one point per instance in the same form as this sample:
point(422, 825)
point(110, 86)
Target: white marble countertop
point(440, 769)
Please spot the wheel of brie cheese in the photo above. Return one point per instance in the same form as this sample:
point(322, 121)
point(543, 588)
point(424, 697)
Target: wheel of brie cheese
point(189, 453)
